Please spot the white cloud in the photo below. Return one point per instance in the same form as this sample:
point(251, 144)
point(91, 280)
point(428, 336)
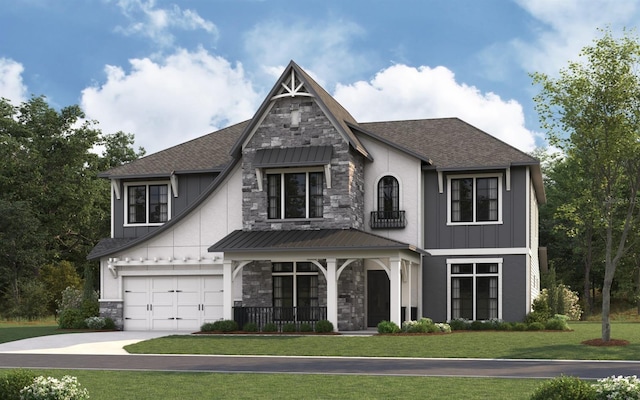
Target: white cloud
point(568, 26)
point(323, 48)
point(156, 23)
point(166, 103)
point(11, 85)
point(403, 92)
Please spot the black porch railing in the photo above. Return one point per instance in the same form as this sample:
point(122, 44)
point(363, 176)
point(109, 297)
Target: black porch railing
point(388, 220)
point(278, 315)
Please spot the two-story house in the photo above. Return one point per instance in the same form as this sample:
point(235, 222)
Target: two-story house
point(303, 213)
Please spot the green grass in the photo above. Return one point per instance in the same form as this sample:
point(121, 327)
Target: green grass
point(107, 385)
point(466, 344)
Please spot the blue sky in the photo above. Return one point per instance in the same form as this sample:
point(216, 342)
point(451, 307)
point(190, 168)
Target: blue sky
point(170, 71)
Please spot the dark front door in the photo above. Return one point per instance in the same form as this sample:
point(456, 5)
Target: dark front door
point(377, 297)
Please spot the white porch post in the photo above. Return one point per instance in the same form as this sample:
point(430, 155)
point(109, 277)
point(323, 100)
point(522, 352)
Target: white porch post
point(395, 292)
point(332, 293)
point(408, 294)
point(227, 289)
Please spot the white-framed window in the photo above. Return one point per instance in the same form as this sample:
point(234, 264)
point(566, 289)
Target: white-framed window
point(147, 203)
point(474, 199)
point(295, 194)
point(474, 288)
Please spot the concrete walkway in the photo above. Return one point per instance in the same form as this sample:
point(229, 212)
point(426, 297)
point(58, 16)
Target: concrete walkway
point(82, 343)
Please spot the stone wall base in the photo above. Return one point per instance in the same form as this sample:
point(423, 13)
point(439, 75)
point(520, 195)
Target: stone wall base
point(114, 310)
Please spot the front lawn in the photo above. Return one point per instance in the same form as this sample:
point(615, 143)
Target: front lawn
point(109, 385)
point(465, 344)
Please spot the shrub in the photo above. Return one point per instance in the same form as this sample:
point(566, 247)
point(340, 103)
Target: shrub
point(28, 300)
point(324, 326)
point(519, 326)
point(225, 325)
point(503, 326)
point(71, 319)
point(480, 326)
point(13, 381)
point(109, 324)
point(95, 323)
point(564, 387)
point(306, 327)
point(535, 326)
point(460, 324)
point(56, 277)
point(270, 327)
point(557, 323)
point(250, 327)
point(289, 327)
point(618, 388)
point(48, 388)
point(443, 327)
point(388, 327)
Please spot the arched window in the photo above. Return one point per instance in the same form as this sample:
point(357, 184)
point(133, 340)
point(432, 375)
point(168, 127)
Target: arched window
point(388, 197)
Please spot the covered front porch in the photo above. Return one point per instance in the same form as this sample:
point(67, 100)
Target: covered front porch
point(329, 272)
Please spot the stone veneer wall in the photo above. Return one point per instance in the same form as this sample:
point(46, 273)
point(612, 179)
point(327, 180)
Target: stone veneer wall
point(113, 310)
point(343, 202)
point(257, 291)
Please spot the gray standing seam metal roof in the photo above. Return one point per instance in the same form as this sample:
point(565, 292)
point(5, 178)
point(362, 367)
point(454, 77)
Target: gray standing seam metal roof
point(293, 156)
point(304, 240)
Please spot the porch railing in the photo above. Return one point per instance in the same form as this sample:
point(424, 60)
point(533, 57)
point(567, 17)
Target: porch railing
point(388, 220)
point(278, 315)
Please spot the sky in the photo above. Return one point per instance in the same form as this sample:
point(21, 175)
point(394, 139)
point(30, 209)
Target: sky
point(171, 71)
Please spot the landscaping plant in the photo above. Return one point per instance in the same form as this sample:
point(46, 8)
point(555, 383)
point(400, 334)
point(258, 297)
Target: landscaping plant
point(48, 388)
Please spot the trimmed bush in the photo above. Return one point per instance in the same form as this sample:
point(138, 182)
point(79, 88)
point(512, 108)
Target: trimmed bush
point(564, 387)
point(557, 323)
point(617, 388)
point(519, 326)
point(71, 318)
point(306, 327)
point(225, 325)
point(289, 327)
point(385, 327)
point(459, 324)
point(535, 326)
point(13, 381)
point(270, 327)
point(109, 324)
point(95, 323)
point(250, 327)
point(324, 326)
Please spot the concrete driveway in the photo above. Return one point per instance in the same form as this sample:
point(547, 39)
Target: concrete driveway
point(104, 343)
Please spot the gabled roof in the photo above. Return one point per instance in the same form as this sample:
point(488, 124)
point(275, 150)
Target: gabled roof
point(208, 153)
point(448, 143)
point(333, 110)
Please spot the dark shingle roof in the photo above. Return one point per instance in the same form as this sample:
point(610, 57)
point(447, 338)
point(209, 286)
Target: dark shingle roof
point(106, 246)
point(449, 143)
point(301, 240)
point(206, 153)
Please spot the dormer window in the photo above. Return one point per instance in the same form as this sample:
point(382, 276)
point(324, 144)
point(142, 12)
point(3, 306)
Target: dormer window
point(295, 194)
point(146, 204)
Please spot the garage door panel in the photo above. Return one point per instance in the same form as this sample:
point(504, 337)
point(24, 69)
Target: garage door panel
point(172, 303)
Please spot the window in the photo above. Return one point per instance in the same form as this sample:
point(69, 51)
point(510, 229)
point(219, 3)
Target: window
point(295, 291)
point(147, 204)
point(388, 197)
point(475, 199)
point(474, 289)
point(295, 195)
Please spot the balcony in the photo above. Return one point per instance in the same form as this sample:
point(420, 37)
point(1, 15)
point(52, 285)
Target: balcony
point(278, 315)
point(388, 220)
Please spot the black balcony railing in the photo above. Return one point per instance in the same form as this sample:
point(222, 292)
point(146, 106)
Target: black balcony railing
point(388, 220)
point(278, 315)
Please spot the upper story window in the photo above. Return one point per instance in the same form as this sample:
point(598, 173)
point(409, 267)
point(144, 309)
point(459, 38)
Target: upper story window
point(147, 204)
point(295, 194)
point(388, 215)
point(388, 195)
point(475, 199)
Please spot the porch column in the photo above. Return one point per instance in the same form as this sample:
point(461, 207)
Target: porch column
point(332, 293)
point(395, 292)
point(408, 293)
point(227, 289)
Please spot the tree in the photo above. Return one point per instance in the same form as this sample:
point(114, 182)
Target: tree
point(592, 113)
point(53, 206)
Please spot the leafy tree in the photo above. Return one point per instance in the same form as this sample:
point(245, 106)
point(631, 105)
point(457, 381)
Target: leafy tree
point(53, 206)
point(592, 113)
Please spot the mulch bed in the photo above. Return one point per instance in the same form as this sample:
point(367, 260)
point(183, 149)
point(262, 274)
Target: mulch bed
point(601, 343)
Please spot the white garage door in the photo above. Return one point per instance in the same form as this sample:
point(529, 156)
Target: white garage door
point(171, 302)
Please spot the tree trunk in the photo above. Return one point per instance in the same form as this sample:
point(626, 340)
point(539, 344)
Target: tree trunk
point(588, 300)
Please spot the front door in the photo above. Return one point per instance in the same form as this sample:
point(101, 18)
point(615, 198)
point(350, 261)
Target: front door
point(377, 297)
